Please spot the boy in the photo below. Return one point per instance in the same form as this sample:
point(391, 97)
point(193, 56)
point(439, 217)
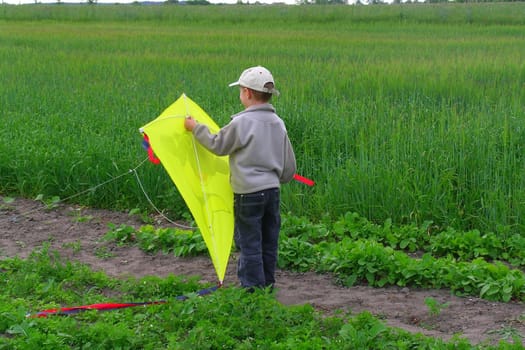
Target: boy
point(261, 158)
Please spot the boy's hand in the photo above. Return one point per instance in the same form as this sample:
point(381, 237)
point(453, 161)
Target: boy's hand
point(189, 123)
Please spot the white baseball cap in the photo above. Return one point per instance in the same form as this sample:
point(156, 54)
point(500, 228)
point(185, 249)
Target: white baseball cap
point(255, 78)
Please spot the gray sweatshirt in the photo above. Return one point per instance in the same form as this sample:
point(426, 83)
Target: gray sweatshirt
point(261, 155)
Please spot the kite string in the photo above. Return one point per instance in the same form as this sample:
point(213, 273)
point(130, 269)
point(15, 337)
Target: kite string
point(156, 209)
point(93, 188)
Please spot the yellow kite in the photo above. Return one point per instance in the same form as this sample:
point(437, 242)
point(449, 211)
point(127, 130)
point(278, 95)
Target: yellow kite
point(202, 178)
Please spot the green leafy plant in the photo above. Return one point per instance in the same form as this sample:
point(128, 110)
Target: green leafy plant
point(369, 261)
point(434, 306)
point(5, 203)
point(78, 216)
point(508, 333)
point(227, 318)
point(122, 234)
point(151, 239)
point(50, 203)
point(75, 246)
point(103, 252)
point(168, 240)
point(144, 215)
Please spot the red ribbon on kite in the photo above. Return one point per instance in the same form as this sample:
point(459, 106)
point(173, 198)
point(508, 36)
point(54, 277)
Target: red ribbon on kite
point(304, 180)
point(147, 147)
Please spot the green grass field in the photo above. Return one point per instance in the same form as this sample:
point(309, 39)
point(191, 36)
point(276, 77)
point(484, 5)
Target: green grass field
point(408, 117)
point(406, 112)
point(227, 319)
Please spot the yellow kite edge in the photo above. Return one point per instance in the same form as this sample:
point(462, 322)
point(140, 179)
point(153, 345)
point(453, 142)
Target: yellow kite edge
point(201, 177)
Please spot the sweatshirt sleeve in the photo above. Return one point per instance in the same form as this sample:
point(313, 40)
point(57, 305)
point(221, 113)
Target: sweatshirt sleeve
point(223, 143)
point(290, 166)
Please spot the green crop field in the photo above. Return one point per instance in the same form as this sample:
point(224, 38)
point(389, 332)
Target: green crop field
point(410, 118)
point(412, 113)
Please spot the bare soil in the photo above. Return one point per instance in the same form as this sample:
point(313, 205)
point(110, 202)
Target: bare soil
point(77, 232)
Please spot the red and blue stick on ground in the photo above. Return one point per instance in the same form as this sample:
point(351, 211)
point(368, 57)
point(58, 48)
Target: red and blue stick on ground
point(64, 311)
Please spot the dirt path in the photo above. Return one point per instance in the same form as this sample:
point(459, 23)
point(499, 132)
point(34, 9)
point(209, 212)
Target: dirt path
point(25, 225)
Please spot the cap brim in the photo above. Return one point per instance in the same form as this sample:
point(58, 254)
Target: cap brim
point(234, 84)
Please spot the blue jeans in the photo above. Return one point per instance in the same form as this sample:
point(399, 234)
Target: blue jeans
point(257, 226)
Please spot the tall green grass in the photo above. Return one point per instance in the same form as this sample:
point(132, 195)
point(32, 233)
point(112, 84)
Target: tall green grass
point(406, 112)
